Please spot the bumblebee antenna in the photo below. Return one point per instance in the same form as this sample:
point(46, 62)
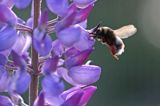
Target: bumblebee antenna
point(95, 28)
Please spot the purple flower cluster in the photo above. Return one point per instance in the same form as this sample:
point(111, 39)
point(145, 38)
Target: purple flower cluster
point(64, 58)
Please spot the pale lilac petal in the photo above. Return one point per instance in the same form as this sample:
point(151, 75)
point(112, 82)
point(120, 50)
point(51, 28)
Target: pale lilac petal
point(74, 100)
point(8, 37)
point(58, 7)
point(22, 44)
point(4, 79)
point(64, 74)
point(22, 3)
point(83, 3)
point(8, 3)
point(50, 65)
point(86, 74)
point(88, 92)
point(67, 20)
point(85, 41)
point(78, 59)
point(40, 101)
point(69, 35)
point(58, 48)
point(7, 15)
point(52, 87)
point(42, 42)
point(5, 101)
point(19, 82)
point(83, 14)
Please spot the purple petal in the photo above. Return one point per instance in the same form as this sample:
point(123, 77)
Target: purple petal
point(42, 42)
point(43, 20)
point(3, 59)
point(67, 20)
point(83, 3)
point(8, 3)
point(69, 35)
point(4, 79)
point(58, 48)
point(52, 87)
point(67, 93)
point(40, 100)
point(5, 101)
point(7, 15)
point(85, 41)
point(20, 82)
point(71, 52)
point(78, 59)
point(18, 60)
point(50, 65)
point(8, 37)
point(22, 44)
point(58, 7)
point(88, 92)
point(86, 74)
point(73, 100)
point(21, 3)
point(83, 14)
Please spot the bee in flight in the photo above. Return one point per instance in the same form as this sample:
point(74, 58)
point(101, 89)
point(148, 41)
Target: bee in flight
point(113, 38)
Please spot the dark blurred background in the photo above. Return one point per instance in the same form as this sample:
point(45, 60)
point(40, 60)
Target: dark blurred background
point(134, 80)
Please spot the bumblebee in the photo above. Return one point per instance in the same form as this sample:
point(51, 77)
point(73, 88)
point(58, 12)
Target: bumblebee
point(113, 38)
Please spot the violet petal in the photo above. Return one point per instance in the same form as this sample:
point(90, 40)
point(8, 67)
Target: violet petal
point(83, 14)
point(8, 3)
point(50, 65)
point(85, 41)
point(42, 42)
point(22, 44)
point(8, 37)
point(83, 3)
point(71, 52)
point(3, 59)
point(67, 20)
point(58, 48)
point(18, 60)
point(58, 7)
point(7, 15)
point(64, 73)
point(52, 87)
point(69, 35)
point(40, 100)
point(20, 82)
point(22, 3)
point(88, 92)
point(73, 100)
point(78, 59)
point(86, 74)
point(5, 101)
point(4, 79)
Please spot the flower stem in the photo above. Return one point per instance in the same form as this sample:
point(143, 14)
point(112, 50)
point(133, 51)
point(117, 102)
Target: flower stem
point(33, 90)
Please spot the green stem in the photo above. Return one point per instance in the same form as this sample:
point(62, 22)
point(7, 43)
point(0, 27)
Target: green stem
point(33, 90)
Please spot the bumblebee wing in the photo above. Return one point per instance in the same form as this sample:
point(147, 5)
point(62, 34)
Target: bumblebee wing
point(125, 31)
